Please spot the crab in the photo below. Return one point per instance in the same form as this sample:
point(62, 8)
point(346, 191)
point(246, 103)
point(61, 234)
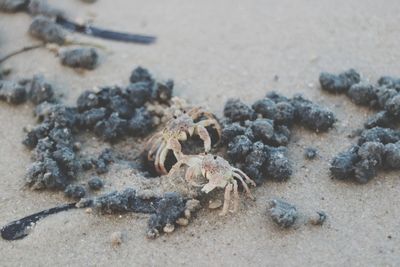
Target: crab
point(219, 173)
point(178, 129)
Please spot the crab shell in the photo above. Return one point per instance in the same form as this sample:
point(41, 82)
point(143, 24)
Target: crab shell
point(219, 173)
point(178, 129)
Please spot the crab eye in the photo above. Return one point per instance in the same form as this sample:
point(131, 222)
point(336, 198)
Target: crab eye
point(184, 112)
point(215, 157)
point(175, 117)
point(205, 153)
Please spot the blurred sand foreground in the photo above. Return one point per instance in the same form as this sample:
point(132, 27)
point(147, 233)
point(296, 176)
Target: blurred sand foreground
point(215, 50)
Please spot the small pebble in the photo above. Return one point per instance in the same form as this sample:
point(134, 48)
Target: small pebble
point(95, 183)
point(187, 214)
point(318, 218)
point(77, 146)
point(169, 228)
point(310, 153)
point(75, 191)
point(117, 238)
point(153, 233)
point(215, 204)
point(182, 222)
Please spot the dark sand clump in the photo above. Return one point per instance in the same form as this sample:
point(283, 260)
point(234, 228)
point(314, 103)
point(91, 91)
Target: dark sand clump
point(111, 113)
point(377, 145)
point(80, 57)
point(46, 30)
point(75, 191)
point(310, 153)
point(168, 211)
point(256, 136)
point(383, 96)
point(12, 92)
point(378, 148)
point(95, 183)
point(282, 213)
point(13, 5)
point(340, 83)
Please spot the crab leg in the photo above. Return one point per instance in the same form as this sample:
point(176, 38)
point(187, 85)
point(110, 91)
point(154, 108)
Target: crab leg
point(247, 178)
point(202, 132)
point(209, 122)
point(163, 156)
point(245, 186)
point(235, 196)
point(157, 160)
point(154, 147)
point(192, 172)
point(197, 112)
point(227, 199)
point(176, 148)
point(150, 141)
point(176, 167)
point(183, 160)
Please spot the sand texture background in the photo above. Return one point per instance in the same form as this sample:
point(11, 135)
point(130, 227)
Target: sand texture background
point(215, 50)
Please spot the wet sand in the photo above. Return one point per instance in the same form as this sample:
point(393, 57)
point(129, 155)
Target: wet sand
point(215, 50)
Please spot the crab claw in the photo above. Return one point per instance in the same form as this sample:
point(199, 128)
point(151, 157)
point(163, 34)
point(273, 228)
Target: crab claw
point(191, 131)
point(207, 188)
point(182, 136)
point(203, 172)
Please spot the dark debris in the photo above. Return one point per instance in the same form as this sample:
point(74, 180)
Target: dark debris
point(81, 57)
point(282, 213)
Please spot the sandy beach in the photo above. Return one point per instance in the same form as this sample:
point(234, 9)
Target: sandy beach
point(215, 50)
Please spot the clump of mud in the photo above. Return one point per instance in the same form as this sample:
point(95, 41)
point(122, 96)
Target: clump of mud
point(285, 215)
point(36, 90)
point(256, 136)
point(167, 211)
point(13, 5)
point(384, 96)
point(282, 213)
point(12, 92)
point(46, 30)
point(33, 7)
point(80, 57)
point(111, 113)
point(378, 145)
point(377, 148)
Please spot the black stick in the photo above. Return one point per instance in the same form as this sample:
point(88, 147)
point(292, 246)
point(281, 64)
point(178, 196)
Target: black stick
point(19, 51)
point(105, 34)
point(19, 229)
point(127, 202)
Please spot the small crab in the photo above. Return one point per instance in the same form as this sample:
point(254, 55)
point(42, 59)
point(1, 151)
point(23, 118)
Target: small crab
point(219, 173)
point(177, 129)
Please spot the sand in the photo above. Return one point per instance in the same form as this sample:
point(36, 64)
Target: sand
point(215, 50)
